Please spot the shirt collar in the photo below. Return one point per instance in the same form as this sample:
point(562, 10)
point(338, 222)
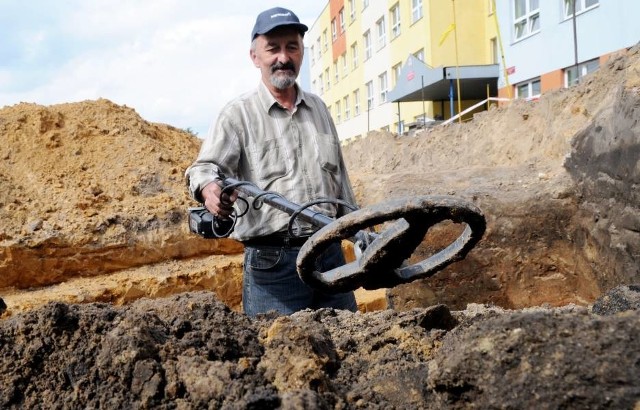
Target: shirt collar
point(267, 100)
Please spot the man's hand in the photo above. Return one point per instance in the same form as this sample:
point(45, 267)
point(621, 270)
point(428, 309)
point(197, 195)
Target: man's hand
point(219, 204)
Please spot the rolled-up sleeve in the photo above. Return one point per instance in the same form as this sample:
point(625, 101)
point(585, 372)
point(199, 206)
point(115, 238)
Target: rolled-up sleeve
point(219, 154)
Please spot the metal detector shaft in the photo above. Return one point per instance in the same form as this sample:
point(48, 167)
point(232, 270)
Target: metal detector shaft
point(277, 201)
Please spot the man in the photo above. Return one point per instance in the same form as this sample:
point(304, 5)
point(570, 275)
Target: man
point(284, 140)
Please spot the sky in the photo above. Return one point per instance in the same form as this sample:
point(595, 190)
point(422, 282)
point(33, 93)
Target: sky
point(174, 61)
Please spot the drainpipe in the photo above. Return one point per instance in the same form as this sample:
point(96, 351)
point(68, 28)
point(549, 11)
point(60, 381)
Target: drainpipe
point(575, 42)
point(424, 110)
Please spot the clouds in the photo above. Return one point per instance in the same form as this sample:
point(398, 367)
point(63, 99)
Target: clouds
point(174, 61)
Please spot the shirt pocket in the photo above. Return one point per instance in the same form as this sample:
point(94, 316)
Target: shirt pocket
point(328, 153)
point(268, 162)
point(329, 173)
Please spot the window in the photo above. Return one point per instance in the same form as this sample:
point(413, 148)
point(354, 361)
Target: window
point(416, 10)
point(365, 4)
point(382, 81)
point(396, 73)
point(318, 48)
point(327, 79)
point(419, 54)
point(369, 95)
point(572, 77)
point(581, 5)
point(494, 50)
point(343, 60)
point(313, 86)
point(334, 30)
point(313, 55)
point(347, 110)
point(356, 102)
point(367, 45)
point(336, 73)
point(325, 42)
point(352, 10)
point(526, 18)
point(320, 85)
point(395, 21)
point(490, 6)
point(341, 14)
point(354, 56)
point(382, 32)
point(338, 112)
point(529, 89)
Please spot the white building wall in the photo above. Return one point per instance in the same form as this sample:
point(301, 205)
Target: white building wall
point(357, 125)
point(608, 27)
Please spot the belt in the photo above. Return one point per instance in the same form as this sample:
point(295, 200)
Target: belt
point(277, 240)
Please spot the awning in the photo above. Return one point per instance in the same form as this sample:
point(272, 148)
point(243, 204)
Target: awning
point(417, 82)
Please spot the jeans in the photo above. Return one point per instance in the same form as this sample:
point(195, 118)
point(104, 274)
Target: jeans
point(271, 281)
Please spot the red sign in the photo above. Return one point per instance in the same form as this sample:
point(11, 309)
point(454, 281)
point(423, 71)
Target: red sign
point(411, 75)
point(511, 70)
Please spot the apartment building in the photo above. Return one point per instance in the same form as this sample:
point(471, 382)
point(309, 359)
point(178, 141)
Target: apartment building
point(361, 53)
point(547, 46)
point(388, 64)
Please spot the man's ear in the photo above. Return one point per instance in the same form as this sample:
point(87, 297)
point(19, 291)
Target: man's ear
point(254, 57)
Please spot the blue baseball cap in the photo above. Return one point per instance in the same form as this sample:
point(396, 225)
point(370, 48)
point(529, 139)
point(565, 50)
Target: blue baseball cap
point(276, 17)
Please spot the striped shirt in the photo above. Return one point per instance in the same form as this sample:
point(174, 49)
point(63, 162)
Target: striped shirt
point(294, 153)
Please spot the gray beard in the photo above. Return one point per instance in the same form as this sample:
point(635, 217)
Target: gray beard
point(282, 81)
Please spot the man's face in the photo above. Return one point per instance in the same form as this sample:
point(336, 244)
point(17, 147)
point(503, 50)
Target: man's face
point(278, 54)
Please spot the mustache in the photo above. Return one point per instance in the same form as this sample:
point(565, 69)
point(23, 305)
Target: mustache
point(282, 66)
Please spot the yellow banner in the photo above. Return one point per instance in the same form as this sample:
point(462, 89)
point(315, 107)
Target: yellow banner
point(444, 35)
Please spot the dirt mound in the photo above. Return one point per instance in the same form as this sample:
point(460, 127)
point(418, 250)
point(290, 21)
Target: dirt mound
point(90, 188)
point(73, 173)
point(190, 351)
point(509, 148)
